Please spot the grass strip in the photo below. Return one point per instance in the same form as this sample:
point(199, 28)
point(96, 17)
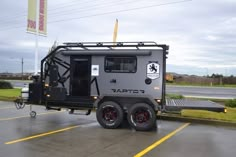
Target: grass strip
point(174, 96)
point(9, 94)
point(229, 116)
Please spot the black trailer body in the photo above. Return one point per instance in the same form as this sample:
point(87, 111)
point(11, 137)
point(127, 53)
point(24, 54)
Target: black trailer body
point(118, 79)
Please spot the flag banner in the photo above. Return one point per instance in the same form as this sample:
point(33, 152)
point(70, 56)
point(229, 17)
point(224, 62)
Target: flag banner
point(31, 20)
point(42, 17)
point(115, 31)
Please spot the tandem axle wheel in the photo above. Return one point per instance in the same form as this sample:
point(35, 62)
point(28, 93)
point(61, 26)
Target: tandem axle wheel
point(33, 114)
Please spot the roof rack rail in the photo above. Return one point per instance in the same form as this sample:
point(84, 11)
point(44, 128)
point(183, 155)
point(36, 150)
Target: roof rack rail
point(111, 45)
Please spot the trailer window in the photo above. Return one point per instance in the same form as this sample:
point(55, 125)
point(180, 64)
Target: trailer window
point(120, 64)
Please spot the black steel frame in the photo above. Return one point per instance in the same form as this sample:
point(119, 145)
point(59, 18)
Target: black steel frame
point(105, 45)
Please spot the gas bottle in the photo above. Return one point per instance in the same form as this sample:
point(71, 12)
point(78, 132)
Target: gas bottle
point(25, 93)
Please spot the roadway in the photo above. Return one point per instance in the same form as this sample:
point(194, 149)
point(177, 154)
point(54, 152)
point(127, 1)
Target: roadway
point(19, 83)
point(203, 92)
point(54, 133)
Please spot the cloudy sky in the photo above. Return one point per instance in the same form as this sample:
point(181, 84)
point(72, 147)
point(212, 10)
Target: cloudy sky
point(201, 33)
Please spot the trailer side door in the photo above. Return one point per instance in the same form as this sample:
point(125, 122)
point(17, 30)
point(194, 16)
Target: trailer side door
point(80, 75)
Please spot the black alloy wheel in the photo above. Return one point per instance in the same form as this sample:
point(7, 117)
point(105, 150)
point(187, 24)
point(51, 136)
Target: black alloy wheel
point(141, 117)
point(109, 115)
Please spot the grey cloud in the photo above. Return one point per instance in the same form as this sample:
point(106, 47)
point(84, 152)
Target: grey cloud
point(199, 32)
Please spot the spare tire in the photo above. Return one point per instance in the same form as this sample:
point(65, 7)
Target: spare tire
point(141, 117)
point(109, 115)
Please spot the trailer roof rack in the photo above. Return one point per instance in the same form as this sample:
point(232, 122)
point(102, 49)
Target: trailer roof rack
point(113, 45)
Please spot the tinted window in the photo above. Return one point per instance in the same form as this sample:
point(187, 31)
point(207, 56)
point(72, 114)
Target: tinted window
point(121, 64)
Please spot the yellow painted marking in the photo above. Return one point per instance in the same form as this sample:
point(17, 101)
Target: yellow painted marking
point(146, 150)
point(41, 135)
point(2, 108)
point(12, 118)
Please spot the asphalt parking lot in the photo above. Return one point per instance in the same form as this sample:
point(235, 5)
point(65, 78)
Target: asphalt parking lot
point(59, 134)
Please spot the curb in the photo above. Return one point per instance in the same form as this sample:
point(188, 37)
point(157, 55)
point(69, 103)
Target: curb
point(172, 117)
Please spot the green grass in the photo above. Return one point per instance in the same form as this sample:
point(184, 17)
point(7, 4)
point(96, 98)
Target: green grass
point(174, 96)
point(9, 94)
point(231, 103)
point(27, 81)
point(230, 115)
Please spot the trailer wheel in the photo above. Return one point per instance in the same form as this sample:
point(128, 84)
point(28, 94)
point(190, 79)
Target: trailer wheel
point(110, 115)
point(142, 117)
point(33, 114)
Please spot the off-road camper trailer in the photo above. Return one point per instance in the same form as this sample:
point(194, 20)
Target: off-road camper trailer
point(117, 79)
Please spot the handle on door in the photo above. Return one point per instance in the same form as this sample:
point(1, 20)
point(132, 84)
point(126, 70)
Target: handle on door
point(113, 81)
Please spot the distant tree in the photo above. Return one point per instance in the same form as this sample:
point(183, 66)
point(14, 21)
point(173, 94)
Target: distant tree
point(216, 75)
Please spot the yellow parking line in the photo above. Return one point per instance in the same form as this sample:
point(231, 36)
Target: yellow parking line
point(12, 118)
point(146, 150)
point(41, 135)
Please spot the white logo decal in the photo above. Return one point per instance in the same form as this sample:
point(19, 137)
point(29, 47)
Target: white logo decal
point(95, 70)
point(153, 70)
